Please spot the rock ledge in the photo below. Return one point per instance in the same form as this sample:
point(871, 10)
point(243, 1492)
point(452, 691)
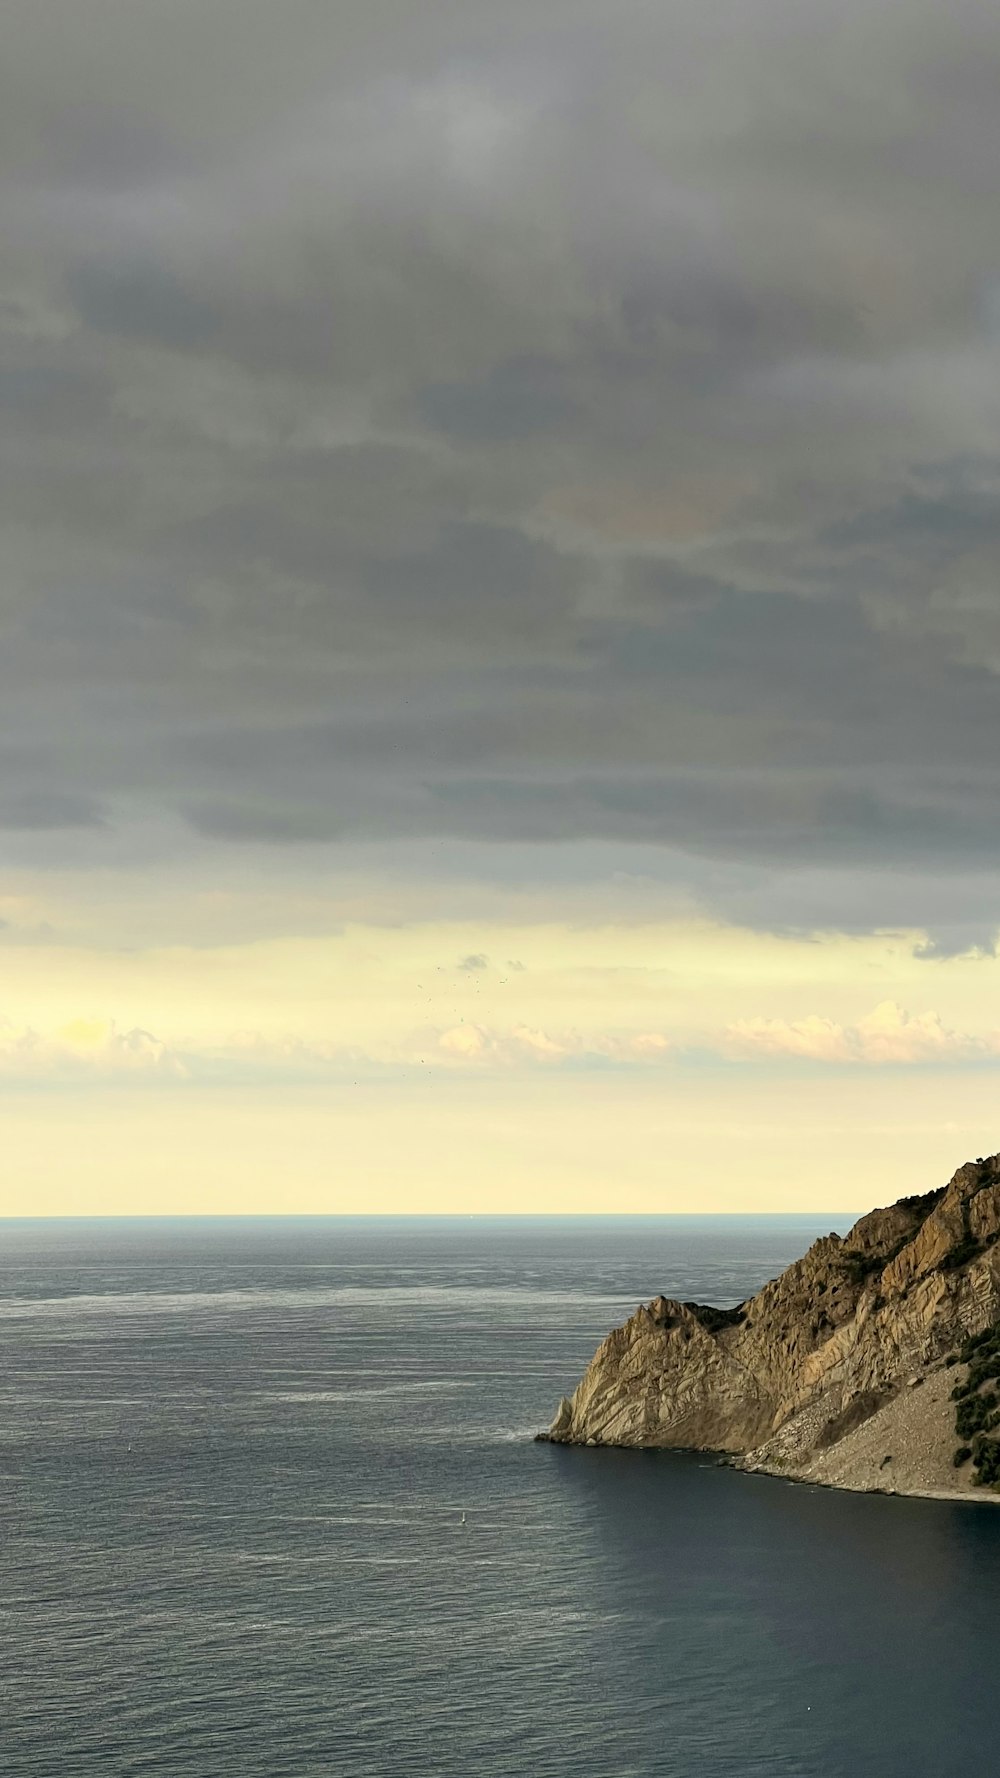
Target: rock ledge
point(839, 1371)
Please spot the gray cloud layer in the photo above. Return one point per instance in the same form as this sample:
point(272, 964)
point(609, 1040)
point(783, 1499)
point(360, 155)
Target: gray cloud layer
point(550, 423)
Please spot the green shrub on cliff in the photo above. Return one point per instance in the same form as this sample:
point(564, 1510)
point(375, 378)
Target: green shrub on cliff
point(986, 1457)
point(964, 1250)
point(984, 1343)
point(977, 1415)
point(973, 1414)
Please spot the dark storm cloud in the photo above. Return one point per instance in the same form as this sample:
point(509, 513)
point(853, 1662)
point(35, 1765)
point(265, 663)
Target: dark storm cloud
point(513, 401)
point(540, 423)
point(783, 822)
point(288, 827)
point(37, 391)
point(477, 578)
point(140, 300)
point(43, 809)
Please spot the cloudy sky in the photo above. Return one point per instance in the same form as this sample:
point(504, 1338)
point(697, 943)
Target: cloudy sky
point(500, 667)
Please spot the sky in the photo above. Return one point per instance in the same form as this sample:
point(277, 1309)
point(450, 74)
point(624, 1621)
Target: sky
point(499, 618)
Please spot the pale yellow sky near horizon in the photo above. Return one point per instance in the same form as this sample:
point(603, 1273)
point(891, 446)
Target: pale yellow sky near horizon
point(442, 1066)
point(554, 1147)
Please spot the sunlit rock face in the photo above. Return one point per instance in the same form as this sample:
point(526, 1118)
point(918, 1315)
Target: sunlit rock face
point(825, 1349)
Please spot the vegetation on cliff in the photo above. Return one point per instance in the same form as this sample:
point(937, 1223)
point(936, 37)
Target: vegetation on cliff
point(977, 1415)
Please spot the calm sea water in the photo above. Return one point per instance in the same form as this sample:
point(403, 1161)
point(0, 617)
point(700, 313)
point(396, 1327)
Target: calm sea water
point(234, 1459)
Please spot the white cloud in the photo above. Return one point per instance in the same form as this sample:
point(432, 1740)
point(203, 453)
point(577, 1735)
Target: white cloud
point(84, 1049)
point(468, 1044)
point(888, 1034)
point(97, 1050)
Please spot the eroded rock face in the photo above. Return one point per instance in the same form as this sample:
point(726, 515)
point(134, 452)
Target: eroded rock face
point(800, 1366)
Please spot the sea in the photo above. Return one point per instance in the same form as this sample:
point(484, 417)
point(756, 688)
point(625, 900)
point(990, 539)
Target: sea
point(270, 1507)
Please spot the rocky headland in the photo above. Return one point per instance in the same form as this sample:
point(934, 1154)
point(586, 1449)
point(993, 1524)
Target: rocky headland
point(870, 1363)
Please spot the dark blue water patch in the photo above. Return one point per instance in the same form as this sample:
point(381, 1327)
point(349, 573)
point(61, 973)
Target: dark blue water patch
point(235, 1461)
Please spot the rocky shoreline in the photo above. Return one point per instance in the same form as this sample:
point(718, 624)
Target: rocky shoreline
point(856, 1368)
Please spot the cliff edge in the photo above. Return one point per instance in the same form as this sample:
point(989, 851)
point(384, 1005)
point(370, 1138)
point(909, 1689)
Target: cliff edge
point(868, 1364)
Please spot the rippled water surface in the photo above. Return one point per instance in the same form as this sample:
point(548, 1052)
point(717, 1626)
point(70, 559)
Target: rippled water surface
point(234, 1459)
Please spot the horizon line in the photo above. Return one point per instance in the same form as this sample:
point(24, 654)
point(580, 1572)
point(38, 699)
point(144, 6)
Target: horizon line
point(414, 1215)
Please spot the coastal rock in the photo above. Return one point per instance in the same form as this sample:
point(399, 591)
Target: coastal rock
point(825, 1361)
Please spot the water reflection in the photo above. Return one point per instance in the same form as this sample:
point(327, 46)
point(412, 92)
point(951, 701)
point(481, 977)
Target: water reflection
point(859, 1632)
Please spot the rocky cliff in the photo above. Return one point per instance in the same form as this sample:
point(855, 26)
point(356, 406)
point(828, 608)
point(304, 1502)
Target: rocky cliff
point(844, 1370)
